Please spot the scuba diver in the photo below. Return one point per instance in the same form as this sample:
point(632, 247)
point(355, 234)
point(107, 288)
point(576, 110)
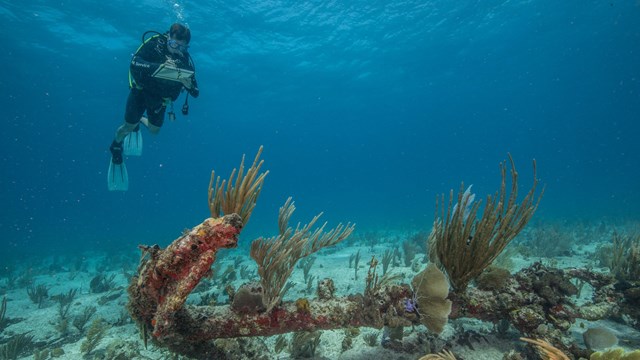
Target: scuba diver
point(159, 71)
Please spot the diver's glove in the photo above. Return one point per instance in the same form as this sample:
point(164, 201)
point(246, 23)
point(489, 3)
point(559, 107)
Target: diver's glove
point(193, 87)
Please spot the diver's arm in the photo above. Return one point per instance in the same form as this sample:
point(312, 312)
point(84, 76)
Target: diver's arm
point(193, 90)
point(192, 84)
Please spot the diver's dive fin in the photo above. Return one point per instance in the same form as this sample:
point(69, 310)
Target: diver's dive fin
point(133, 143)
point(117, 178)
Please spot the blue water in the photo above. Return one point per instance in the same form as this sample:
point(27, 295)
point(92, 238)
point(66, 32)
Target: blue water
point(367, 111)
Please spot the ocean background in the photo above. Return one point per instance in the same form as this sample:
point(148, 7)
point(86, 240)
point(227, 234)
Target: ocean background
point(367, 110)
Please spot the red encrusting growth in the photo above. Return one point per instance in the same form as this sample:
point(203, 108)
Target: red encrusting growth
point(168, 276)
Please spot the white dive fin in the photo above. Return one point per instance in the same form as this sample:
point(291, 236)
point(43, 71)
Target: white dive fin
point(117, 177)
point(132, 145)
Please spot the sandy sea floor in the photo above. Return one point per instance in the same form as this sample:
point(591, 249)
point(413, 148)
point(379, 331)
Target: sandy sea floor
point(467, 338)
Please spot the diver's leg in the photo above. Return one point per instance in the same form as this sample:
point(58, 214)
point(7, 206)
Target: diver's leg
point(155, 114)
point(152, 128)
point(123, 131)
point(133, 111)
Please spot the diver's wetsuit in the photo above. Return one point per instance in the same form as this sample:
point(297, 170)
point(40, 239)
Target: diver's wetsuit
point(148, 93)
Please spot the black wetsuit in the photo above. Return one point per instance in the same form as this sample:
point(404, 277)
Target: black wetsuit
point(148, 93)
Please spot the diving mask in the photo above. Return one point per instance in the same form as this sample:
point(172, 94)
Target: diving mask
point(178, 45)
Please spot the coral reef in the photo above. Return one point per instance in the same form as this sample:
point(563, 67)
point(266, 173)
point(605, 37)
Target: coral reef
point(38, 294)
point(277, 256)
point(431, 289)
point(464, 245)
point(546, 350)
point(16, 345)
point(222, 321)
point(625, 262)
point(166, 277)
point(96, 332)
point(304, 344)
point(599, 338)
point(102, 283)
point(326, 289)
point(493, 278)
point(538, 300)
point(81, 320)
point(443, 355)
point(616, 354)
point(248, 299)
